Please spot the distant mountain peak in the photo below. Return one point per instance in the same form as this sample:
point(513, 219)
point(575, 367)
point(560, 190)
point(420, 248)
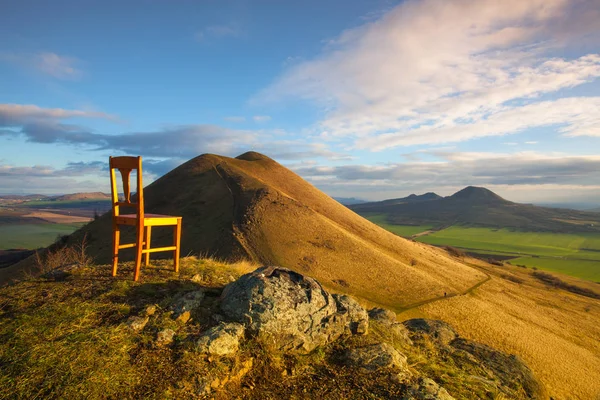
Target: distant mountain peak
point(475, 193)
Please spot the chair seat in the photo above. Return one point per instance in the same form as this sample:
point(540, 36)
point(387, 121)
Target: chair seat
point(149, 219)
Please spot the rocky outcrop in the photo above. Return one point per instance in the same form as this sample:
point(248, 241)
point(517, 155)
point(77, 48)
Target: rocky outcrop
point(438, 330)
point(510, 370)
point(358, 319)
point(376, 356)
point(388, 319)
point(382, 315)
point(221, 340)
point(506, 373)
point(426, 389)
point(287, 311)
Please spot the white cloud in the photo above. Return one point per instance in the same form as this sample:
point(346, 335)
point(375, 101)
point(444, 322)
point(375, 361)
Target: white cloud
point(437, 71)
point(577, 116)
point(179, 142)
point(261, 118)
point(47, 63)
point(18, 113)
point(523, 173)
point(57, 66)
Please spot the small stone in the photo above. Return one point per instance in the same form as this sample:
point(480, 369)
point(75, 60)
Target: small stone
point(184, 317)
point(221, 340)
point(187, 302)
point(165, 337)
point(429, 386)
point(150, 310)
point(57, 275)
point(377, 356)
point(137, 323)
point(401, 377)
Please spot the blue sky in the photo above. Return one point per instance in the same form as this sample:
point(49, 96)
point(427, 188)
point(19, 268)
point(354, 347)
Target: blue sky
point(371, 99)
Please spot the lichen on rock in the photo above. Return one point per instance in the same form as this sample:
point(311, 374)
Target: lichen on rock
point(284, 310)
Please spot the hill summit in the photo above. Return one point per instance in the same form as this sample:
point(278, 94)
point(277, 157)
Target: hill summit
point(252, 207)
point(479, 195)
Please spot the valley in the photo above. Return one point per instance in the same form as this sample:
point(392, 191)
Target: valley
point(478, 222)
point(34, 221)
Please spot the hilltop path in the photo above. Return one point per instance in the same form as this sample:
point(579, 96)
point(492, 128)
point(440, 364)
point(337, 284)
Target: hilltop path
point(432, 300)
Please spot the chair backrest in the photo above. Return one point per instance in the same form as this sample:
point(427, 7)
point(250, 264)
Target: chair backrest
point(125, 165)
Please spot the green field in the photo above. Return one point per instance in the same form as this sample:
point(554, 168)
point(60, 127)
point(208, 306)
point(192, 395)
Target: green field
point(402, 230)
point(572, 254)
point(589, 270)
point(32, 236)
point(506, 241)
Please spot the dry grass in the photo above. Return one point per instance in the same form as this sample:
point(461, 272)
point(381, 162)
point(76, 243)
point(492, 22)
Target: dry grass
point(69, 339)
point(556, 332)
point(253, 207)
point(60, 255)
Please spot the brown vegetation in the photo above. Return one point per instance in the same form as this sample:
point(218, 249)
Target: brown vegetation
point(556, 282)
point(455, 252)
point(556, 332)
point(250, 207)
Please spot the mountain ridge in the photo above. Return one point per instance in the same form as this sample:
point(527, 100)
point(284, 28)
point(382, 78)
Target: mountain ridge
point(477, 206)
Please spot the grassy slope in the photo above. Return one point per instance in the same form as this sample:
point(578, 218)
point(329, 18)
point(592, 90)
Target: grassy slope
point(555, 332)
point(402, 230)
point(69, 339)
point(32, 236)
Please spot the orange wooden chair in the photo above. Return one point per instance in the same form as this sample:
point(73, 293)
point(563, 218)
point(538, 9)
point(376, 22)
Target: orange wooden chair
point(142, 222)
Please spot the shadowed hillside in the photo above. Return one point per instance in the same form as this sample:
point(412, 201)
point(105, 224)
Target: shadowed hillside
point(252, 207)
point(475, 206)
point(376, 205)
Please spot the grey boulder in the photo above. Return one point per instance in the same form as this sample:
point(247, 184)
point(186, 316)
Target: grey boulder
point(284, 310)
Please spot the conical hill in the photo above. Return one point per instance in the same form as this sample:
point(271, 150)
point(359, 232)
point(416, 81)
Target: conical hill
point(252, 207)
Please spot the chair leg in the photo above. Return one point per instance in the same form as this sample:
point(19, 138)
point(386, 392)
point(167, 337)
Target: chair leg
point(116, 237)
point(177, 244)
point(147, 239)
point(139, 240)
